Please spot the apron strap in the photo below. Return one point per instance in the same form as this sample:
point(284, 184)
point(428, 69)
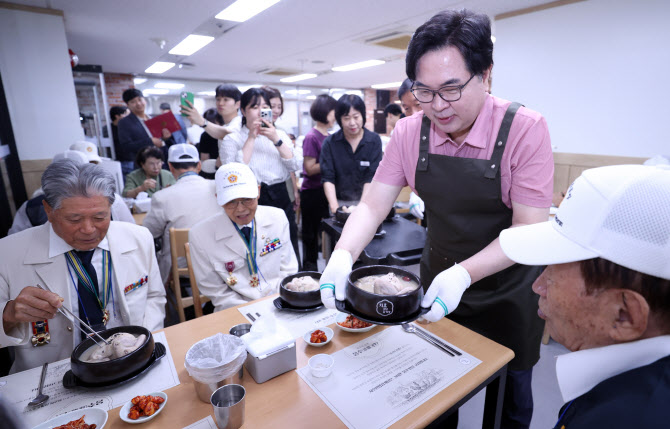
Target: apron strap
point(422, 162)
point(501, 141)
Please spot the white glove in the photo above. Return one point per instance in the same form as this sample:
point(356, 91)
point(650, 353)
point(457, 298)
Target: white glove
point(334, 277)
point(416, 206)
point(445, 292)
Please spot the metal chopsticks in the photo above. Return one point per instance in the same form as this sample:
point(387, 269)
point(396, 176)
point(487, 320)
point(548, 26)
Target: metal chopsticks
point(81, 322)
point(442, 343)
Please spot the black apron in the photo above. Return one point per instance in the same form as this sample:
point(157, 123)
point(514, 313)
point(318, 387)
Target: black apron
point(466, 213)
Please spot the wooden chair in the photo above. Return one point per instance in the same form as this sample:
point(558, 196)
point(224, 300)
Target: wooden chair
point(403, 197)
point(178, 243)
point(198, 299)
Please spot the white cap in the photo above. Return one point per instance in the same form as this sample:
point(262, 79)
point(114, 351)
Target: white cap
point(74, 155)
point(620, 213)
point(88, 149)
point(183, 152)
point(235, 180)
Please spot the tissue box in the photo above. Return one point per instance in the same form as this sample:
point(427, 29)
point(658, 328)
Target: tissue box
point(264, 367)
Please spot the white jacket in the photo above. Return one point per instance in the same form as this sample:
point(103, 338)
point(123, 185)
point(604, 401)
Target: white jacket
point(182, 205)
point(215, 241)
point(25, 261)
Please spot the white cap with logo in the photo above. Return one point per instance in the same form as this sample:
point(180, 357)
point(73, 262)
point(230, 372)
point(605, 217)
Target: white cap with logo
point(183, 152)
point(620, 213)
point(87, 148)
point(235, 180)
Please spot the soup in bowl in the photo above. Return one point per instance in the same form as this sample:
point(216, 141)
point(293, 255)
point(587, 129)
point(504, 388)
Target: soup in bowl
point(301, 290)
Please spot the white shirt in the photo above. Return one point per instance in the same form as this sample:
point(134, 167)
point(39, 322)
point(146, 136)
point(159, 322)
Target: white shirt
point(266, 163)
point(579, 372)
point(58, 246)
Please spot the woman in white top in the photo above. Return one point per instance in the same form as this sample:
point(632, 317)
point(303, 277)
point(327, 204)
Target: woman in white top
point(268, 152)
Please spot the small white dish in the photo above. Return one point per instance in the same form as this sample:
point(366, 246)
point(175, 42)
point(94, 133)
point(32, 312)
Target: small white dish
point(329, 336)
point(341, 317)
point(126, 409)
point(321, 365)
point(96, 416)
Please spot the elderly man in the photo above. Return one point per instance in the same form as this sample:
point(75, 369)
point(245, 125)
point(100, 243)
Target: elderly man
point(106, 272)
point(605, 295)
point(183, 204)
point(242, 253)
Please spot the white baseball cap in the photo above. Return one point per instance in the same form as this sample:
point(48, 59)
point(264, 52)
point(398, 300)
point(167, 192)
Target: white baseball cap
point(183, 152)
point(235, 180)
point(620, 213)
point(75, 155)
point(88, 149)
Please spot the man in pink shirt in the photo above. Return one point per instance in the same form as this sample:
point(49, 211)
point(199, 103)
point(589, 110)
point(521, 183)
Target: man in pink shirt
point(481, 165)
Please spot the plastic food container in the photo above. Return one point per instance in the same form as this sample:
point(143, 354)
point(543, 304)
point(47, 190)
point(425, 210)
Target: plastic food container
point(269, 365)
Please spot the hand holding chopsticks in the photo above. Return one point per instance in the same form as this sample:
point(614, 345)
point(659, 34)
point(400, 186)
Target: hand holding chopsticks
point(92, 333)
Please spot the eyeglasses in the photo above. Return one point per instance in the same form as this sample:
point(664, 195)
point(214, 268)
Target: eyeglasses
point(246, 202)
point(447, 93)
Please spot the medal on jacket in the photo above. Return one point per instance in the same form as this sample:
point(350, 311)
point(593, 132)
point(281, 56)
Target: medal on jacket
point(251, 253)
point(41, 335)
point(75, 264)
point(231, 280)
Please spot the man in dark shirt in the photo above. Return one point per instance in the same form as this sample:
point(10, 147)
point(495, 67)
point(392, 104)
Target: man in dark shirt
point(116, 113)
point(134, 134)
point(349, 158)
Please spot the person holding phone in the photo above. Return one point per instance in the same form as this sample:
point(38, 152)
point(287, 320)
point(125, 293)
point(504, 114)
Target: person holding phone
point(267, 151)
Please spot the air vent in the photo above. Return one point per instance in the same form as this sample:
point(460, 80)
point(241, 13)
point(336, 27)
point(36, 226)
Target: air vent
point(278, 72)
point(397, 39)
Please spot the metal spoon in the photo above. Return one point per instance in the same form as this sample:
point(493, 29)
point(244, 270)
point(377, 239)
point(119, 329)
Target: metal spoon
point(40, 396)
point(412, 330)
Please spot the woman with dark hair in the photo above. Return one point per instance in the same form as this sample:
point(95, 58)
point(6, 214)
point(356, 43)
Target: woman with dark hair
point(313, 202)
point(268, 152)
point(209, 146)
point(349, 158)
point(150, 177)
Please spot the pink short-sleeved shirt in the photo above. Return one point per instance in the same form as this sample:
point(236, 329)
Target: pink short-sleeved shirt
point(527, 166)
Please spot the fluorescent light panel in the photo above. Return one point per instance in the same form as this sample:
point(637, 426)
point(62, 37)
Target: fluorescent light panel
point(208, 93)
point(155, 91)
point(298, 91)
point(191, 44)
point(298, 77)
point(169, 85)
point(159, 67)
point(311, 97)
point(242, 10)
point(139, 80)
point(386, 85)
point(360, 65)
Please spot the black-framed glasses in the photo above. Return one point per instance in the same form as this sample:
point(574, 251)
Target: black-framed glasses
point(447, 93)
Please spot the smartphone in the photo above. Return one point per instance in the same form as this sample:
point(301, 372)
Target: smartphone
point(267, 115)
point(186, 96)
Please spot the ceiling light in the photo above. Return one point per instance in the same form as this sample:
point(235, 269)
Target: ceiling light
point(386, 85)
point(169, 85)
point(159, 67)
point(208, 93)
point(298, 77)
point(245, 88)
point(154, 91)
point(298, 91)
point(361, 65)
point(354, 92)
point(139, 80)
point(242, 10)
point(311, 97)
point(191, 44)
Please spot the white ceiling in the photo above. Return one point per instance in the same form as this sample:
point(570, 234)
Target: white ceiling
point(291, 34)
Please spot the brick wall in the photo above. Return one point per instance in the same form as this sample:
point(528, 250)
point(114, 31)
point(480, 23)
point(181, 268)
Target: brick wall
point(116, 83)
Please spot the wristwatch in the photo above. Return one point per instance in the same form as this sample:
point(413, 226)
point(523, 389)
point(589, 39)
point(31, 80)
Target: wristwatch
point(204, 124)
point(279, 143)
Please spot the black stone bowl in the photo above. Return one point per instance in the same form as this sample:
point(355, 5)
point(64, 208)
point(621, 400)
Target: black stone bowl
point(116, 369)
point(301, 299)
point(383, 309)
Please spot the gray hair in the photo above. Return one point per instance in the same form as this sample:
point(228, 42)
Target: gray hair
point(66, 179)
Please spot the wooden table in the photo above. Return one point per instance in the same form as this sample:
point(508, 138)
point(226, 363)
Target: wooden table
point(287, 401)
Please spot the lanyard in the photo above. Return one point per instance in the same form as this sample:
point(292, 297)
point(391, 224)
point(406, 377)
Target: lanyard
point(252, 266)
point(563, 413)
point(75, 264)
point(188, 173)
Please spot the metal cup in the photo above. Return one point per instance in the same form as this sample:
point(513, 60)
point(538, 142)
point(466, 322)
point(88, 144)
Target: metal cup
point(228, 404)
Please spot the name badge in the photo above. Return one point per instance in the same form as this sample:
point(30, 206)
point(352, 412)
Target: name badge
point(365, 163)
point(138, 284)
